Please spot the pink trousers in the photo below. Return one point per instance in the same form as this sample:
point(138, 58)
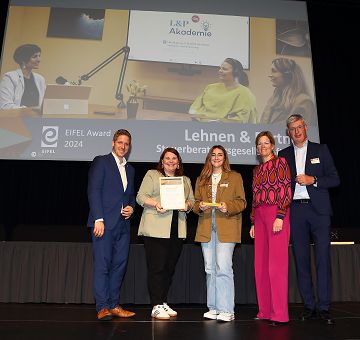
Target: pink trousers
point(271, 264)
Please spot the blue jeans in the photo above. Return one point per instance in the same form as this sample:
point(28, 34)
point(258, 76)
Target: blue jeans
point(219, 274)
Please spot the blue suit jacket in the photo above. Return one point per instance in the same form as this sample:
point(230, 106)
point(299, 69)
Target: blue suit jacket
point(318, 163)
point(106, 193)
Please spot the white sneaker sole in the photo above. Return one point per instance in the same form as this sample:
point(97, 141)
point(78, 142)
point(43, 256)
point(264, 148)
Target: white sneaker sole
point(172, 314)
point(210, 316)
point(159, 317)
point(225, 319)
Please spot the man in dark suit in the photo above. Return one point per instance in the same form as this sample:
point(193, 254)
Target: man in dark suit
point(112, 201)
point(312, 173)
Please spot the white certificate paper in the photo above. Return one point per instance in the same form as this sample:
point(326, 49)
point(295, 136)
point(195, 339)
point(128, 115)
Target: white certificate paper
point(172, 193)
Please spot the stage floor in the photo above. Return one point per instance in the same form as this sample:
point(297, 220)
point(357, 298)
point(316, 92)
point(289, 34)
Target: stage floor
point(70, 321)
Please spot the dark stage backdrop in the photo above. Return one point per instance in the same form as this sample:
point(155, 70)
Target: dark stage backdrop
point(52, 194)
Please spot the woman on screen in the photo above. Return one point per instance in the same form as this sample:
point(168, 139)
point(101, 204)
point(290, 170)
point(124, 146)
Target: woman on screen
point(290, 94)
point(228, 99)
point(23, 87)
point(219, 201)
point(270, 217)
point(163, 230)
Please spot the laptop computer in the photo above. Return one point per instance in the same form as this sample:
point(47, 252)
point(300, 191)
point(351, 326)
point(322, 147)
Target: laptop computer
point(66, 99)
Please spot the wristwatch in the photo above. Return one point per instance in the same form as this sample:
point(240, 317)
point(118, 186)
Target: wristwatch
point(315, 180)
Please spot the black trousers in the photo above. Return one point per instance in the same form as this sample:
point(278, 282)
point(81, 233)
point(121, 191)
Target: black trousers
point(162, 255)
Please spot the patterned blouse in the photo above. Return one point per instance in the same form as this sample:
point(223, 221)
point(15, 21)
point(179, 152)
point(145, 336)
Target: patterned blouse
point(272, 185)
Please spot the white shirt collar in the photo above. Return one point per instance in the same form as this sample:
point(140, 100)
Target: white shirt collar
point(124, 161)
point(297, 147)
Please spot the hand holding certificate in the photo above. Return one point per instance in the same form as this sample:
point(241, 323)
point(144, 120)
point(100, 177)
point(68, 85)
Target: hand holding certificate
point(172, 194)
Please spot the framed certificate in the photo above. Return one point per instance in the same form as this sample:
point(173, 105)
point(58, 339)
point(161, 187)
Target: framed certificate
point(172, 195)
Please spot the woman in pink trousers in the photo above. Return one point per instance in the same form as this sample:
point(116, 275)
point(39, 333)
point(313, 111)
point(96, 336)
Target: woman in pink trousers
point(270, 219)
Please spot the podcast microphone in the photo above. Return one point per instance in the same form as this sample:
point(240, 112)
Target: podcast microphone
point(61, 81)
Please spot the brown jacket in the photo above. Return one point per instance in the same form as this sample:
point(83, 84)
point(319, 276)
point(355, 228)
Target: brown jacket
point(303, 104)
point(228, 226)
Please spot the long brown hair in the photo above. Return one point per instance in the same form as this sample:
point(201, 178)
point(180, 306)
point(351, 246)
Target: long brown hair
point(207, 169)
point(179, 171)
point(283, 98)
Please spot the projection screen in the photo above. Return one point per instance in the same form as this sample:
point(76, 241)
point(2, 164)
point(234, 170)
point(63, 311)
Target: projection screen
point(96, 55)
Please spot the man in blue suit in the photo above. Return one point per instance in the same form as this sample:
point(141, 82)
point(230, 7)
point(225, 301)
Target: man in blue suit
point(112, 201)
point(312, 173)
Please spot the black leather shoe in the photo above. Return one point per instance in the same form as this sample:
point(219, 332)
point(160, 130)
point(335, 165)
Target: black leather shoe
point(325, 315)
point(278, 324)
point(256, 318)
point(308, 314)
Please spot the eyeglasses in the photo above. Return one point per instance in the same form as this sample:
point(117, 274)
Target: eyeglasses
point(297, 128)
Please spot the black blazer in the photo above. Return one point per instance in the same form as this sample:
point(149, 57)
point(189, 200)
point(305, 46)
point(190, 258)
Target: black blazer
point(319, 163)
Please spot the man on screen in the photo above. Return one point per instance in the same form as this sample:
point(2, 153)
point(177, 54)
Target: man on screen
point(312, 173)
point(112, 201)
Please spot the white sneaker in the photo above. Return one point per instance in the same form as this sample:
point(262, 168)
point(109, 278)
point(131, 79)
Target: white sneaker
point(169, 310)
point(158, 312)
point(223, 316)
point(211, 314)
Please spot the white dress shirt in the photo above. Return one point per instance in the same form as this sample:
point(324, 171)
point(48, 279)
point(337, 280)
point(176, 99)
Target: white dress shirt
point(121, 167)
point(300, 159)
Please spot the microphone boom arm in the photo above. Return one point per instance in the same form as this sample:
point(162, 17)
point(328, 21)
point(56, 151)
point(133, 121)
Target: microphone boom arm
point(118, 94)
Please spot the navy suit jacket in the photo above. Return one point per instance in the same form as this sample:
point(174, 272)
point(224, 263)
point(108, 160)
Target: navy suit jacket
point(106, 193)
point(319, 163)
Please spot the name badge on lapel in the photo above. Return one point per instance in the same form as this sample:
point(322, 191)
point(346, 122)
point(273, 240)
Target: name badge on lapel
point(315, 160)
point(224, 185)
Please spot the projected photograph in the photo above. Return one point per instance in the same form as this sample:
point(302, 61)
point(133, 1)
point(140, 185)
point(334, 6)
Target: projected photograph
point(183, 79)
point(76, 23)
point(290, 96)
point(293, 38)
